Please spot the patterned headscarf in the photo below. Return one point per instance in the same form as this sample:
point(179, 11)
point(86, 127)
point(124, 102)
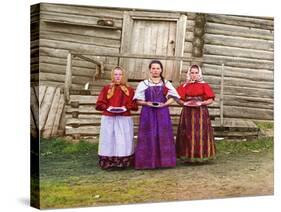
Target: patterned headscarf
point(123, 84)
point(188, 77)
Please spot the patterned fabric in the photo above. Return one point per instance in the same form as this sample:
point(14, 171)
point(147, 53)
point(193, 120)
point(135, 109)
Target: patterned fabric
point(106, 162)
point(195, 140)
point(111, 90)
point(155, 147)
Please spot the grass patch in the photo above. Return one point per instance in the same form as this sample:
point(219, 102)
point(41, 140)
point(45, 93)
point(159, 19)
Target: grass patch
point(265, 125)
point(258, 145)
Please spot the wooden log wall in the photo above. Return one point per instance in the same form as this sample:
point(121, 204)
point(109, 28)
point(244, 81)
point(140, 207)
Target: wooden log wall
point(34, 44)
point(246, 43)
point(74, 28)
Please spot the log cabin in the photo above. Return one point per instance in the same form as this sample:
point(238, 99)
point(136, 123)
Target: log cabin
point(73, 46)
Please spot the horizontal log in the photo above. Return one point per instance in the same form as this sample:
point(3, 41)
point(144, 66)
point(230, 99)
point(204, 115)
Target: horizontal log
point(77, 46)
point(244, 73)
point(231, 81)
point(81, 30)
point(75, 18)
point(189, 36)
point(60, 69)
point(232, 41)
point(188, 47)
point(238, 62)
point(238, 52)
point(238, 31)
point(246, 91)
point(190, 26)
point(236, 134)
point(61, 54)
point(241, 21)
point(245, 112)
point(83, 39)
point(250, 102)
point(61, 78)
point(85, 10)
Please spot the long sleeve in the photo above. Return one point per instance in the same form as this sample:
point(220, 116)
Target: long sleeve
point(132, 104)
point(102, 102)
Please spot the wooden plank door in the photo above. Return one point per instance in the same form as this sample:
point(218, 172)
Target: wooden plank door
point(152, 36)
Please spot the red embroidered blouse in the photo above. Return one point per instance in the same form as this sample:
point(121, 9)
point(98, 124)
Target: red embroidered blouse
point(197, 89)
point(118, 99)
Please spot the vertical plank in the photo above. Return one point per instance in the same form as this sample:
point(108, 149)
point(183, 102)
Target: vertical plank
point(127, 28)
point(221, 94)
point(46, 132)
point(179, 49)
point(171, 43)
point(68, 77)
point(61, 129)
point(58, 116)
point(45, 107)
point(42, 90)
point(34, 106)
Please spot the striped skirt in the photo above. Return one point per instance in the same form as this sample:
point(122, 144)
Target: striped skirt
point(195, 140)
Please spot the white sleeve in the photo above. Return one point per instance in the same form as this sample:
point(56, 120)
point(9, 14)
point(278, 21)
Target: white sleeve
point(139, 93)
point(171, 90)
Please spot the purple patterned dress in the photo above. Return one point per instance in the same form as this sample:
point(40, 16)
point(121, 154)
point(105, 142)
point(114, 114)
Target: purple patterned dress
point(155, 147)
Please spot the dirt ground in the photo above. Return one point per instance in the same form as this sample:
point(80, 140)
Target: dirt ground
point(70, 177)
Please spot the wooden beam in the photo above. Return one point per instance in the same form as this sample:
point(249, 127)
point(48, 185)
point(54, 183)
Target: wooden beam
point(68, 77)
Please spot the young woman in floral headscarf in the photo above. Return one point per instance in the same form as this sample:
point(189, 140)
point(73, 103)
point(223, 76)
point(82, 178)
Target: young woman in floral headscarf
point(195, 140)
point(116, 147)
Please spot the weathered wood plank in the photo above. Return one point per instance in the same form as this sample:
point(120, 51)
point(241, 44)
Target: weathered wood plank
point(81, 30)
point(244, 73)
point(238, 52)
point(60, 69)
point(247, 101)
point(83, 39)
point(245, 112)
point(34, 106)
point(246, 91)
point(57, 66)
point(45, 106)
point(74, 18)
point(232, 41)
point(231, 81)
point(241, 21)
point(42, 90)
point(47, 130)
point(61, 78)
point(77, 47)
point(238, 62)
point(239, 31)
point(85, 10)
point(58, 116)
point(61, 54)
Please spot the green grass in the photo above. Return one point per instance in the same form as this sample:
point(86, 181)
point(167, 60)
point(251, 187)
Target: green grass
point(70, 176)
point(265, 125)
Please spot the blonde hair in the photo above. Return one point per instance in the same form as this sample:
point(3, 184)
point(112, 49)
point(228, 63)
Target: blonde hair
point(124, 77)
